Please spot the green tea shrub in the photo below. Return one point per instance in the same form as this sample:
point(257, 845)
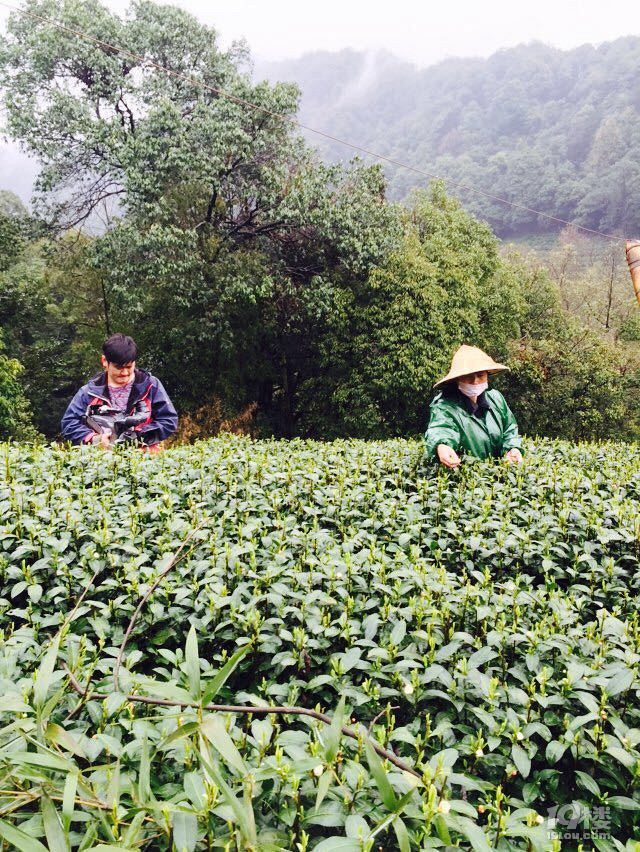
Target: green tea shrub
point(481, 625)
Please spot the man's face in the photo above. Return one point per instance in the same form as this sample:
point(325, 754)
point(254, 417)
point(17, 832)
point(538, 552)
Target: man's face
point(118, 374)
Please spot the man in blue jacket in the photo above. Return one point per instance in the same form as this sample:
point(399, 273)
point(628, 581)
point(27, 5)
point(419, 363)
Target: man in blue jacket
point(125, 389)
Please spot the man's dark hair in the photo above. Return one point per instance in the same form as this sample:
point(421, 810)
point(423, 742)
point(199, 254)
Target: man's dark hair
point(120, 349)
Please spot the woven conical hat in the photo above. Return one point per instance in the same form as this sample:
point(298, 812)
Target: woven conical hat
point(470, 359)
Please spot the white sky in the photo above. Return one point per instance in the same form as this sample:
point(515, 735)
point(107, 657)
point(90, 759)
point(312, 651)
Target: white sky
point(421, 31)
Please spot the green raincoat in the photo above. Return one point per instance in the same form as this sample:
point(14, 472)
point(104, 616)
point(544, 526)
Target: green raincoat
point(492, 433)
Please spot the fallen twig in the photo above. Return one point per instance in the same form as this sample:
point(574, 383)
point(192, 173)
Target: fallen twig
point(255, 711)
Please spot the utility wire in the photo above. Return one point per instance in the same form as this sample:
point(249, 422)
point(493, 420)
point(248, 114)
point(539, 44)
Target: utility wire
point(322, 133)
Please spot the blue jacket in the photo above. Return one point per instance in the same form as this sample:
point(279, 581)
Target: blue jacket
point(146, 389)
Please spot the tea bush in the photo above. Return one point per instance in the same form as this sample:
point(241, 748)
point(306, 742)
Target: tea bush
point(482, 625)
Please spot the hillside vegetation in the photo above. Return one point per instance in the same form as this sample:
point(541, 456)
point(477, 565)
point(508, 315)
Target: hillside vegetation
point(555, 130)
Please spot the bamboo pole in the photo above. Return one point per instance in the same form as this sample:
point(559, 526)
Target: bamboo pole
point(633, 259)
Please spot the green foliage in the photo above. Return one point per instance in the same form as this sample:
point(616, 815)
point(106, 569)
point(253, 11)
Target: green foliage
point(239, 317)
point(483, 623)
point(591, 279)
point(52, 312)
point(630, 329)
point(11, 241)
point(15, 414)
point(11, 206)
point(571, 375)
point(577, 386)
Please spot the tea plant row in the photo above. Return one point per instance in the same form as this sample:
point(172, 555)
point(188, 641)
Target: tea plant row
point(483, 625)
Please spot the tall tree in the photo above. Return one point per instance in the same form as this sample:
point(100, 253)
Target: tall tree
point(229, 234)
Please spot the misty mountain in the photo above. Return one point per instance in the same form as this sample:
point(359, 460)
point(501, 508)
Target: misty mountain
point(555, 130)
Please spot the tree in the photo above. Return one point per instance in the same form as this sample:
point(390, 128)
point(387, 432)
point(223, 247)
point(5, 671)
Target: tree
point(393, 336)
point(558, 131)
point(51, 313)
point(11, 206)
point(231, 235)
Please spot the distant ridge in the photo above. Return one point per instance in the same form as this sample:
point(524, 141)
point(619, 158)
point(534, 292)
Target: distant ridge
point(556, 130)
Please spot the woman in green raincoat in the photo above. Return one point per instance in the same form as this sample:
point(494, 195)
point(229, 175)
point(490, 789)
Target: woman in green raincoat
point(468, 417)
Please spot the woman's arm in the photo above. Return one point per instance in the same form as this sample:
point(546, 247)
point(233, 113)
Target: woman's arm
point(442, 429)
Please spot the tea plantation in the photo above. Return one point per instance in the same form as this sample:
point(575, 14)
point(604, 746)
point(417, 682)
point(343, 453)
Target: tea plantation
point(482, 627)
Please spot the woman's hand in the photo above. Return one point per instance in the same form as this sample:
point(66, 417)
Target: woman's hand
point(514, 456)
point(447, 456)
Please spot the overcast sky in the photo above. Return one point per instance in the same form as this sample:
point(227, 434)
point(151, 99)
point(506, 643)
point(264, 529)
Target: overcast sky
point(421, 31)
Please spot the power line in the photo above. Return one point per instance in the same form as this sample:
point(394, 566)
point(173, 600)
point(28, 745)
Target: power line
point(322, 133)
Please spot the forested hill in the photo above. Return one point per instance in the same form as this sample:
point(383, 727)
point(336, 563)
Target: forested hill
point(556, 130)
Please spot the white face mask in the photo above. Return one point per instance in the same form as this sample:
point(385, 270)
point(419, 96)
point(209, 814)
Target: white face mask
point(469, 389)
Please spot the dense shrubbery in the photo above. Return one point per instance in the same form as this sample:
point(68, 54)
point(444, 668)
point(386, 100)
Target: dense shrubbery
point(489, 615)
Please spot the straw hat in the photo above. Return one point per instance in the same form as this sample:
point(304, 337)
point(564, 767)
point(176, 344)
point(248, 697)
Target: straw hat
point(470, 359)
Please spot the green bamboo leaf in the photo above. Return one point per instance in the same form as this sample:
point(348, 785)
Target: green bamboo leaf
point(89, 837)
point(220, 678)
point(334, 732)
point(385, 789)
point(144, 776)
point(69, 798)
point(214, 730)
point(192, 663)
point(402, 835)
point(132, 834)
point(22, 842)
point(44, 761)
point(404, 800)
point(244, 820)
point(56, 836)
point(442, 829)
point(182, 731)
point(166, 691)
point(45, 673)
point(323, 788)
point(185, 831)
point(112, 796)
point(248, 806)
